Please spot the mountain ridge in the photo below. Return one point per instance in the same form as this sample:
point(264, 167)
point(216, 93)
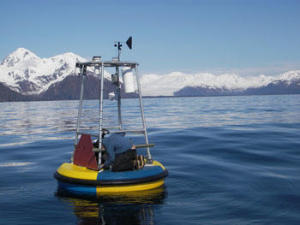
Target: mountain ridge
point(26, 73)
point(274, 88)
point(25, 76)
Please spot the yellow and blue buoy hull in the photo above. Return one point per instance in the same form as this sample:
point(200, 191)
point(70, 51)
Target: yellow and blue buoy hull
point(79, 180)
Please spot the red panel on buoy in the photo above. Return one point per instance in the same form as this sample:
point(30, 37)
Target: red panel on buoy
point(84, 155)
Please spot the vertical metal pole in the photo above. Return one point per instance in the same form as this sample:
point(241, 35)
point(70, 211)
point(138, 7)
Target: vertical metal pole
point(142, 113)
point(119, 98)
point(82, 74)
point(100, 114)
point(119, 87)
point(119, 50)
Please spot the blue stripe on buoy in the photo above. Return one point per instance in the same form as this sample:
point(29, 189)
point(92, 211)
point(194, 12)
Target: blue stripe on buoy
point(78, 189)
point(147, 171)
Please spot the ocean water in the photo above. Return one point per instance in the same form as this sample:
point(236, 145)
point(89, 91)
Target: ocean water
point(231, 160)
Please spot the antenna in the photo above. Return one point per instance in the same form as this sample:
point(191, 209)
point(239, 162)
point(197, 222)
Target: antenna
point(119, 45)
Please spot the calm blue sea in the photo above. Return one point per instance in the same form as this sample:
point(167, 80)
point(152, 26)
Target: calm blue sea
point(231, 160)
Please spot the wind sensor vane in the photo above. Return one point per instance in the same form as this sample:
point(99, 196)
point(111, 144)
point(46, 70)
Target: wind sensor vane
point(119, 45)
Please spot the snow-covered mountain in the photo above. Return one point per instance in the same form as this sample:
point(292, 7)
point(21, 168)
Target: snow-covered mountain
point(168, 84)
point(26, 73)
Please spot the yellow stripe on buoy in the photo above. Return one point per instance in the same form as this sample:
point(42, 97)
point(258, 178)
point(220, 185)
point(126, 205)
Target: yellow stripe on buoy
point(78, 172)
point(128, 188)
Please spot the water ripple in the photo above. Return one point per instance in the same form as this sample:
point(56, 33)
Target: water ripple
point(231, 160)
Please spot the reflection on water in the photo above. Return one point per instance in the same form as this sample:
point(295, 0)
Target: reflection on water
point(232, 160)
point(44, 120)
point(221, 111)
point(16, 164)
point(27, 122)
point(130, 208)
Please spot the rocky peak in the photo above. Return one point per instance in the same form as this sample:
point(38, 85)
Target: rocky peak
point(20, 55)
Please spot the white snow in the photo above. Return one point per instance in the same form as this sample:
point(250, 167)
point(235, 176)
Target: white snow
point(167, 84)
point(23, 65)
point(290, 76)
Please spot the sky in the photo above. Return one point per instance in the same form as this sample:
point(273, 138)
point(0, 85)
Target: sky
point(244, 36)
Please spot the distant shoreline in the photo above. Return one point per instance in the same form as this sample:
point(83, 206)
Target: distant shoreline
point(148, 97)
